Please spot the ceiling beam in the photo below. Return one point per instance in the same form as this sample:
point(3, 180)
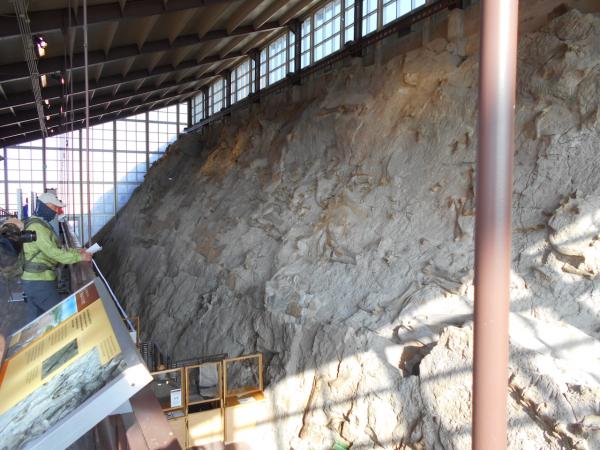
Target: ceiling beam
point(99, 101)
point(295, 11)
point(268, 13)
point(56, 92)
point(8, 132)
point(56, 19)
point(49, 65)
point(241, 14)
point(31, 136)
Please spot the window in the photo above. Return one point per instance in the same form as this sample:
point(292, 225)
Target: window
point(349, 20)
point(393, 9)
point(327, 26)
point(241, 81)
point(291, 52)
point(263, 68)
point(369, 23)
point(216, 96)
point(277, 59)
point(306, 43)
point(198, 108)
point(183, 116)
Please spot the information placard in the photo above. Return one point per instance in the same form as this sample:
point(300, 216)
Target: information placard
point(66, 371)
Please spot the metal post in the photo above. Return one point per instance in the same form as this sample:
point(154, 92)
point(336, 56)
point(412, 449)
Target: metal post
point(227, 76)
point(116, 195)
point(499, 22)
point(189, 108)
point(205, 99)
point(342, 23)
point(44, 174)
point(87, 119)
point(297, 29)
point(147, 141)
point(256, 57)
point(20, 204)
point(81, 224)
point(358, 13)
point(6, 181)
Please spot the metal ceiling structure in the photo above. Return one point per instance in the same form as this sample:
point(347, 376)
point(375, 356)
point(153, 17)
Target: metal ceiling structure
point(143, 54)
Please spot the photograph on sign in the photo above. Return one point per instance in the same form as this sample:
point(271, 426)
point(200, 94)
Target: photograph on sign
point(52, 318)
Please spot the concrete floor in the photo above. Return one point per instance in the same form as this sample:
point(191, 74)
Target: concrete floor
point(13, 315)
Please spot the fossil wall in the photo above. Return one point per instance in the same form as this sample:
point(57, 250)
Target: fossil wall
point(334, 232)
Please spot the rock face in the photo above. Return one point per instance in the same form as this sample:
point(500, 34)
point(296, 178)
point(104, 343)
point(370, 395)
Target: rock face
point(335, 234)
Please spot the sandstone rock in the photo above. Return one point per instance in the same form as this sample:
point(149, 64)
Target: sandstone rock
point(334, 234)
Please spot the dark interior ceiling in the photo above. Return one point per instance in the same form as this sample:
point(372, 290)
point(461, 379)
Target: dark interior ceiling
point(143, 54)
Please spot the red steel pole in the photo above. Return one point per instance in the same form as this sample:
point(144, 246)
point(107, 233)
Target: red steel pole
point(497, 92)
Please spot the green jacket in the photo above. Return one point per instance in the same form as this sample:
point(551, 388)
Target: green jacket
point(46, 250)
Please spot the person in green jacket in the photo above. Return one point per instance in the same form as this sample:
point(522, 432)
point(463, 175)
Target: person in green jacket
point(43, 256)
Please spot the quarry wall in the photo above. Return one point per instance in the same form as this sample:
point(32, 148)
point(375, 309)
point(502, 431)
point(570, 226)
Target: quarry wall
point(331, 228)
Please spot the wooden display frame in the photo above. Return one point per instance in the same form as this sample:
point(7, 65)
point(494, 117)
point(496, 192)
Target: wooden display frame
point(224, 397)
point(227, 395)
point(219, 398)
point(182, 374)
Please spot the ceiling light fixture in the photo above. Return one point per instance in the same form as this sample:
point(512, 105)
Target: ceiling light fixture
point(40, 46)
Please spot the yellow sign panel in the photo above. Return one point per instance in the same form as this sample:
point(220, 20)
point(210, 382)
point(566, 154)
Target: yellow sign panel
point(48, 356)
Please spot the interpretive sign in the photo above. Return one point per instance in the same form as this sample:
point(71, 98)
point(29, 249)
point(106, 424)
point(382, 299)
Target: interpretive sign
point(66, 371)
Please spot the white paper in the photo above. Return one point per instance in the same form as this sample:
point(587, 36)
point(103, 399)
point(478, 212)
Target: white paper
point(175, 398)
point(94, 249)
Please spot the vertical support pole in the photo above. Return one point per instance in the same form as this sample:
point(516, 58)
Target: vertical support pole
point(287, 51)
point(342, 23)
point(227, 77)
point(267, 64)
point(499, 22)
point(87, 120)
point(81, 224)
point(205, 99)
point(311, 53)
point(256, 58)
point(19, 204)
point(44, 174)
point(116, 196)
point(190, 121)
point(6, 204)
point(146, 115)
point(358, 13)
point(297, 30)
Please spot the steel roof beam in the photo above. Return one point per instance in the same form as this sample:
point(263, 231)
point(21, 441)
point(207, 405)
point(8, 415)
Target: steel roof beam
point(98, 101)
point(17, 71)
point(56, 19)
point(31, 136)
point(56, 92)
point(7, 132)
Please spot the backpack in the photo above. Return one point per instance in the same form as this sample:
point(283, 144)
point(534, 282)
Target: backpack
point(12, 256)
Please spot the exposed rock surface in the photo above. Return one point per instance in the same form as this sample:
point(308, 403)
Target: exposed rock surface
point(335, 234)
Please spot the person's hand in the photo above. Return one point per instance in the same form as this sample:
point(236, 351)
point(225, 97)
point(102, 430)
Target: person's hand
point(85, 256)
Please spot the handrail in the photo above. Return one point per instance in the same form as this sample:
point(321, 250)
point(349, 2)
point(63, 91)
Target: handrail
point(114, 297)
point(83, 273)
